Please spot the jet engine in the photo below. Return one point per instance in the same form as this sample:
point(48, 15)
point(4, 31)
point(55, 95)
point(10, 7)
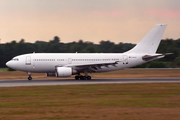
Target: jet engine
point(63, 71)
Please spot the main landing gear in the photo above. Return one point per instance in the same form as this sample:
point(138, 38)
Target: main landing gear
point(29, 78)
point(86, 77)
point(82, 77)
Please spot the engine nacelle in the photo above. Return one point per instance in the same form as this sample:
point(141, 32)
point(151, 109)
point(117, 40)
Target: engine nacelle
point(50, 74)
point(63, 71)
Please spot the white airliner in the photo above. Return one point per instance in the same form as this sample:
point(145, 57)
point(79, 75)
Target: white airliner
point(67, 64)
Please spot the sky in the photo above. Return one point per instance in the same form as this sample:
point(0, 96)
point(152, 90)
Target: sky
point(126, 21)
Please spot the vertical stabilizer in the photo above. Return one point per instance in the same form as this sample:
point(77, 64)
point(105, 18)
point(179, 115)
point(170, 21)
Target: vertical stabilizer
point(150, 42)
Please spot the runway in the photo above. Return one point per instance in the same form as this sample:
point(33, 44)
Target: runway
point(15, 83)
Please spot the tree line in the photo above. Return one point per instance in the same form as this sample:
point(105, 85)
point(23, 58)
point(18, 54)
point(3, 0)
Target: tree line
point(9, 50)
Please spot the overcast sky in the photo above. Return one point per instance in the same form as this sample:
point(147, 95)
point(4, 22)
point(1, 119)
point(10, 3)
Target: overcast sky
point(125, 21)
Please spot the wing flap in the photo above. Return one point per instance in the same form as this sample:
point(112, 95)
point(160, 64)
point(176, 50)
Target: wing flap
point(92, 67)
point(98, 64)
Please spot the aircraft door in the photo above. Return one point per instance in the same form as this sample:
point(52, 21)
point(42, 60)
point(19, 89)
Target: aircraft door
point(69, 60)
point(125, 59)
point(28, 60)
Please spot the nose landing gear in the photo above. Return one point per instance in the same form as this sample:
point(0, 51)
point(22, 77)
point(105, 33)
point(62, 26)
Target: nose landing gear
point(29, 78)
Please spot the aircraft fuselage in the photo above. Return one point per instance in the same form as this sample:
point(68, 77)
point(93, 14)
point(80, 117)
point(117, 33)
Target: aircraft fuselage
point(46, 62)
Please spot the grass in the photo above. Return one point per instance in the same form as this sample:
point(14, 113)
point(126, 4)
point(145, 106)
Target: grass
point(100, 102)
point(79, 102)
point(3, 69)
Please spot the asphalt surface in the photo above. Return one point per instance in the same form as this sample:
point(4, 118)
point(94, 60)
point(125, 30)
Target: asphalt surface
point(38, 82)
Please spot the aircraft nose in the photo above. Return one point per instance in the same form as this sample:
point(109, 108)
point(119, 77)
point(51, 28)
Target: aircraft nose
point(8, 64)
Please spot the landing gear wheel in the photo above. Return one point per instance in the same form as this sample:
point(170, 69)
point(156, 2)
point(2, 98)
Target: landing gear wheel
point(29, 78)
point(88, 77)
point(77, 77)
point(82, 77)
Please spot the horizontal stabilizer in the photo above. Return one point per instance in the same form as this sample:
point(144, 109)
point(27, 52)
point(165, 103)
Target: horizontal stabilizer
point(153, 57)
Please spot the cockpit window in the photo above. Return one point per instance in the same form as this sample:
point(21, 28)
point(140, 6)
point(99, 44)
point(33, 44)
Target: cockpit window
point(15, 59)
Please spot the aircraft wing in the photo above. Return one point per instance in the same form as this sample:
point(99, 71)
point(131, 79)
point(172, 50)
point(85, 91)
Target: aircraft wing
point(92, 67)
